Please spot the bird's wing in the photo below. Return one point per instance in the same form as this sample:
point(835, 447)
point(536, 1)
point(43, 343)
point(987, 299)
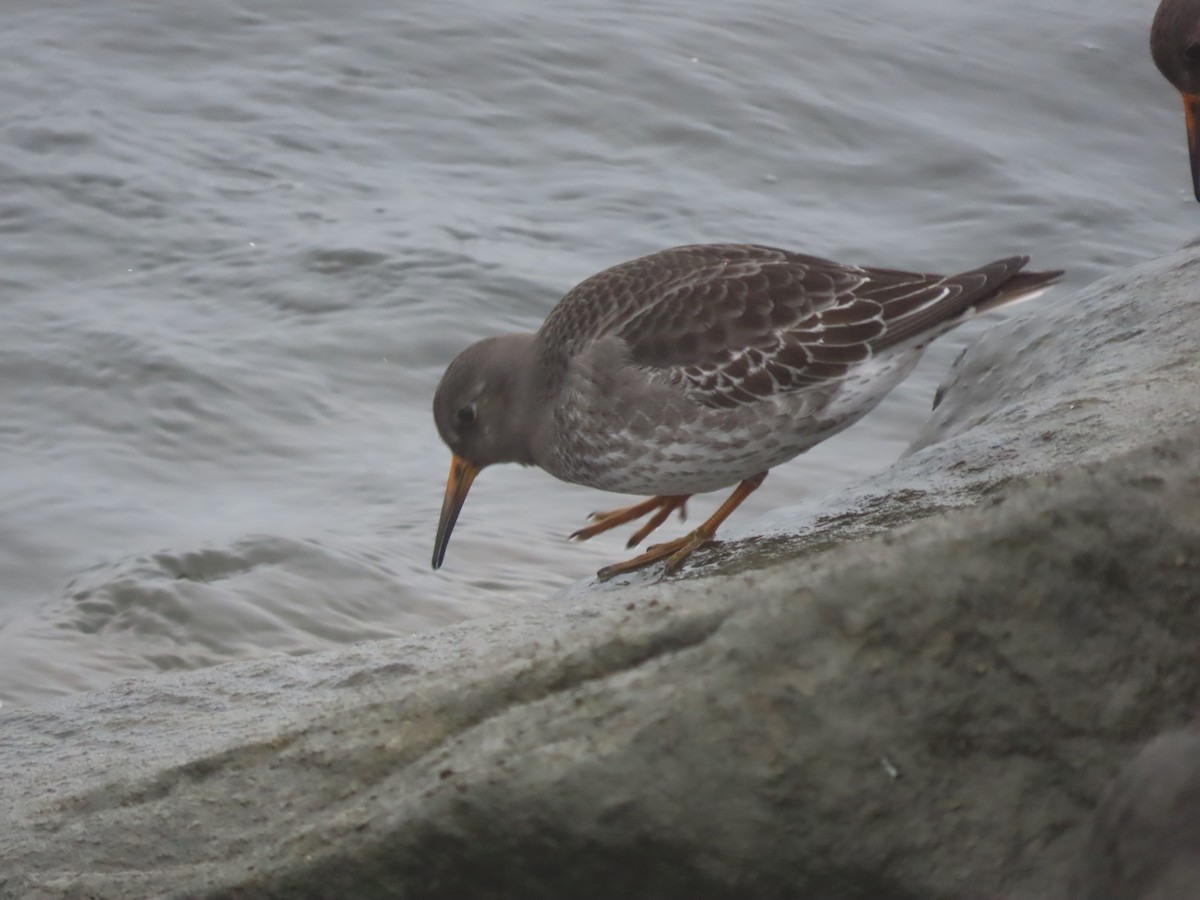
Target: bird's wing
point(733, 323)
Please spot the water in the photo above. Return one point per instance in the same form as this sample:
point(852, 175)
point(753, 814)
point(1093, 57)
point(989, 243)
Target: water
point(239, 243)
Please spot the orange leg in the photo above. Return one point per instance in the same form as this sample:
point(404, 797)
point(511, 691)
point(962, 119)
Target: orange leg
point(604, 521)
point(678, 550)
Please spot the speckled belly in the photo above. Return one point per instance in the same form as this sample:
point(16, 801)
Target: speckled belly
point(660, 442)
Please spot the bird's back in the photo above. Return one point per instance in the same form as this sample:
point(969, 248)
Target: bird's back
point(733, 323)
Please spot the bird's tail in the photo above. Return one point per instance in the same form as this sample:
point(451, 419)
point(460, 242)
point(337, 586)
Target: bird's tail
point(945, 302)
point(1017, 287)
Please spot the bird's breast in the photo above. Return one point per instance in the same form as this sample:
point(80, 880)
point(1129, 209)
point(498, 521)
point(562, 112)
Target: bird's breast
point(628, 431)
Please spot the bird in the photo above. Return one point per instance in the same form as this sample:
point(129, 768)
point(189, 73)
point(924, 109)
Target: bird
point(694, 369)
point(1175, 46)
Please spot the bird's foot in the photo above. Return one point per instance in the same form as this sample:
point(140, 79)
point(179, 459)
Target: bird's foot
point(674, 552)
point(677, 551)
point(661, 507)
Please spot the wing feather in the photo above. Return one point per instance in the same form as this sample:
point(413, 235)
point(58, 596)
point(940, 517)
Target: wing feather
point(734, 323)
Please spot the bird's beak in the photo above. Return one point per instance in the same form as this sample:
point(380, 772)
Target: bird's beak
point(462, 473)
point(1191, 112)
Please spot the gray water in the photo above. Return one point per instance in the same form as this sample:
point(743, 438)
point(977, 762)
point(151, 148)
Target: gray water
point(240, 242)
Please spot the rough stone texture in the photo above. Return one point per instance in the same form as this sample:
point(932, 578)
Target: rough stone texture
point(929, 710)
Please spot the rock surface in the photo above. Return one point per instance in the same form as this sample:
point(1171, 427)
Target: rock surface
point(928, 710)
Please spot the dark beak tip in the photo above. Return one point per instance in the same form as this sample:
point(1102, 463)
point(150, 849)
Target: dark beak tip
point(440, 545)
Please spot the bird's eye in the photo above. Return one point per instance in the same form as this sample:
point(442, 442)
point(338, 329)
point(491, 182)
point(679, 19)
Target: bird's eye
point(1192, 52)
point(466, 415)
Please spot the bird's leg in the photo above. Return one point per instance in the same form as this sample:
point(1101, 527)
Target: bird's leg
point(660, 506)
point(678, 550)
point(669, 505)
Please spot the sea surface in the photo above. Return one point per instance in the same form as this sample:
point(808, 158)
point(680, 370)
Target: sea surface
point(239, 242)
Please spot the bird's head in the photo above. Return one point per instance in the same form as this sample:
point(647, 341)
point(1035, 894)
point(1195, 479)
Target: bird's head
point(482, 408)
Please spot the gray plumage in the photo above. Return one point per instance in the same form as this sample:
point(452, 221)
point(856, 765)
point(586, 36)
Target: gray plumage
point(697, 367)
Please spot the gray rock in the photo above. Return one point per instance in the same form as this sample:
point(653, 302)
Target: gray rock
point(927, 710)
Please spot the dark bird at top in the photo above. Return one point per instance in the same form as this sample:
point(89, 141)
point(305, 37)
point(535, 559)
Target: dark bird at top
point(1175, 46)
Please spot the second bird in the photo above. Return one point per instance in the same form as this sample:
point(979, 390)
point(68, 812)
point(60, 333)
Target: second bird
point(1175, 46)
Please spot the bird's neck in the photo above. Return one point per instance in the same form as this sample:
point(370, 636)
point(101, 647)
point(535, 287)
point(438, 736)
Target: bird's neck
point(526, 391)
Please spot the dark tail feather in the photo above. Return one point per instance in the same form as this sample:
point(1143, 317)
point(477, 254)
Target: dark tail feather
point(1017, 287)
point(980, 290)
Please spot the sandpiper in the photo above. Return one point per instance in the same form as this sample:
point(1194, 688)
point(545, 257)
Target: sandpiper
point(694, 369)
